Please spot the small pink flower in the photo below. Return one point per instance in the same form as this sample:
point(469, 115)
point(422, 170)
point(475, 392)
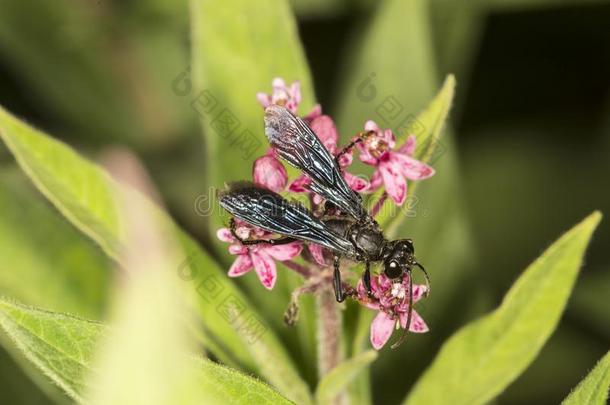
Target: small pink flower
point(269, 172)
point(325, 129)
point(393, 167)
point(287, 96)
point(259, 257)
point(391, 299)
point(317, 252)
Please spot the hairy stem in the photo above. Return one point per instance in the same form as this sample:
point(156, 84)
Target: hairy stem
point(329, 332)
point(300, 269)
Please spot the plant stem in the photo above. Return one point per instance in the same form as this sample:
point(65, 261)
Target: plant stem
point(378, 204)
point(329, 332)
point(297, 268)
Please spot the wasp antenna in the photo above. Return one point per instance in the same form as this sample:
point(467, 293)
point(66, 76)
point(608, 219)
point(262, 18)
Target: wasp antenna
point(426, 276)
point(409, 315)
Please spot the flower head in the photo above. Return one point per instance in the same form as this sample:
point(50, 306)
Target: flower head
point(393, 167)
point(260, 257)
point(287, 96)
point(269, 172)
point(391, 298)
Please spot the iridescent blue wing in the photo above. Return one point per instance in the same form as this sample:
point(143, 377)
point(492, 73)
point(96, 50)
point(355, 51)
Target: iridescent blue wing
point(296, 143)
point(270, 211)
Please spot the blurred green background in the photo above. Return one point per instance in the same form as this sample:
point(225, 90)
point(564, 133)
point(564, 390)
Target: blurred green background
point(531, 123)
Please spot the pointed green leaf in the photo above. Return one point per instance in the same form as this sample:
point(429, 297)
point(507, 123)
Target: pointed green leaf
point(230, 386)
point(146, 356)
point(60, 345)
point(63, 346)
point(593, 390)
point(431, 122)
point(58, 268)
point(339, 377)
point(482, 358)
point(238, 47)
point(85, 195)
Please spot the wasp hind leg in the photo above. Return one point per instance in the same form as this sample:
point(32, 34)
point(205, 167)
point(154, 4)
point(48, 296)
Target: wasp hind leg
point(339, 294)
point(247, 242)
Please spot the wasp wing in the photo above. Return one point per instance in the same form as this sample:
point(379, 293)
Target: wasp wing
point(270, 211)
point(295, 142)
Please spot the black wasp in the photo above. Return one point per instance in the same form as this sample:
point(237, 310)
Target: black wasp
point(353, 234)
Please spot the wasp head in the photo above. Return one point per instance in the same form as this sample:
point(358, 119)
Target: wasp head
point(399, 258)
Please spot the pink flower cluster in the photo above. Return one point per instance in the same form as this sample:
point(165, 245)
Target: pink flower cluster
point(393, 167)
point(391, 299)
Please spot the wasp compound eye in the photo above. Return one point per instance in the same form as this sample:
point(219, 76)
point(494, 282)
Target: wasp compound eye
point(393, 269)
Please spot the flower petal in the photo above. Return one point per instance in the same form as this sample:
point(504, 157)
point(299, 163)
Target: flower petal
point(225, 235)
point(268, 172)
point(417, 322)
point(295, 93)
point(278, 84)
point(265, 268)
point(238, 249)
point(317, 252)
point(346, 159)
point(300, 184)
point(365, 155)
point(363, 297)
point(419, 290)
point(381, 330)
point(283, 252)
point(412, 168)
point(263, 99)
point(326, 131)
point(395, 184)
point(388, 137)
point(241, 265)
point(355, 183)
point(371, 125)
point(375, 182)
point(408, 148)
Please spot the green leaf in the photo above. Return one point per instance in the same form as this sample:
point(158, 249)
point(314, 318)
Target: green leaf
point(391, 63)
point(339, 377)
point(51, 264)
point(593, 389)
point(238, 47)
point(429, 125)
point(85, 195)
point(146, 356)
point(242, 390)
point(482, 358)
point(61, 69)
point(59, 345)
point(63, 347)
